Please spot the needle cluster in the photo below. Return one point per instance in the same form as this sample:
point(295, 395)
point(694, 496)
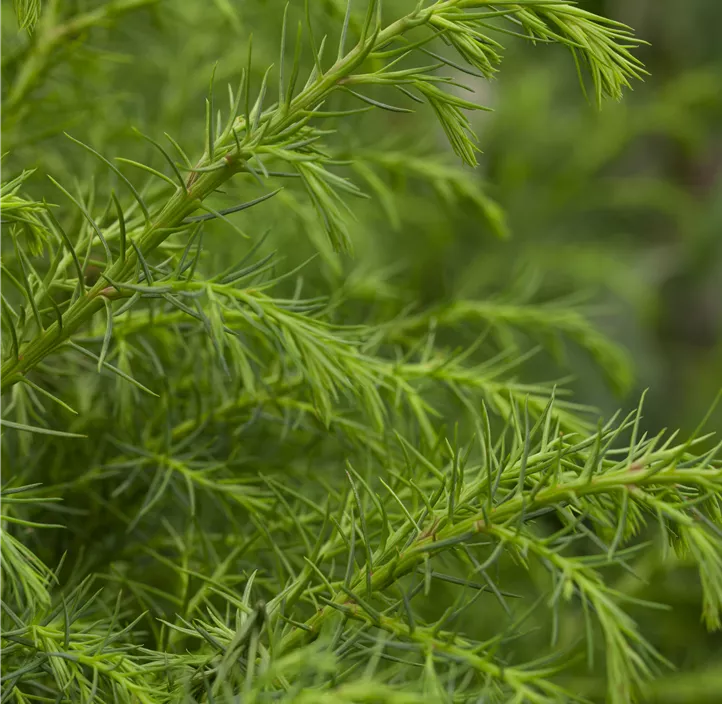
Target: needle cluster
point(219, 488)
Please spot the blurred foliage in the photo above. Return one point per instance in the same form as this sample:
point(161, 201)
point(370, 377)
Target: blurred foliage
point(628, 200)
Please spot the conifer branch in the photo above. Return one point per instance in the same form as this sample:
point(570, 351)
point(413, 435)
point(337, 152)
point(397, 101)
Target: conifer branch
point(220, 486)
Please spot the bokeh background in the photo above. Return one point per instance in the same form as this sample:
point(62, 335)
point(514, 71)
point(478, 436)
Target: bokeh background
point(621, 205)
point(630, 199)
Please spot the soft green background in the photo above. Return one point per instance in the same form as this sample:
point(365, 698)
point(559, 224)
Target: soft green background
point(630, 199)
